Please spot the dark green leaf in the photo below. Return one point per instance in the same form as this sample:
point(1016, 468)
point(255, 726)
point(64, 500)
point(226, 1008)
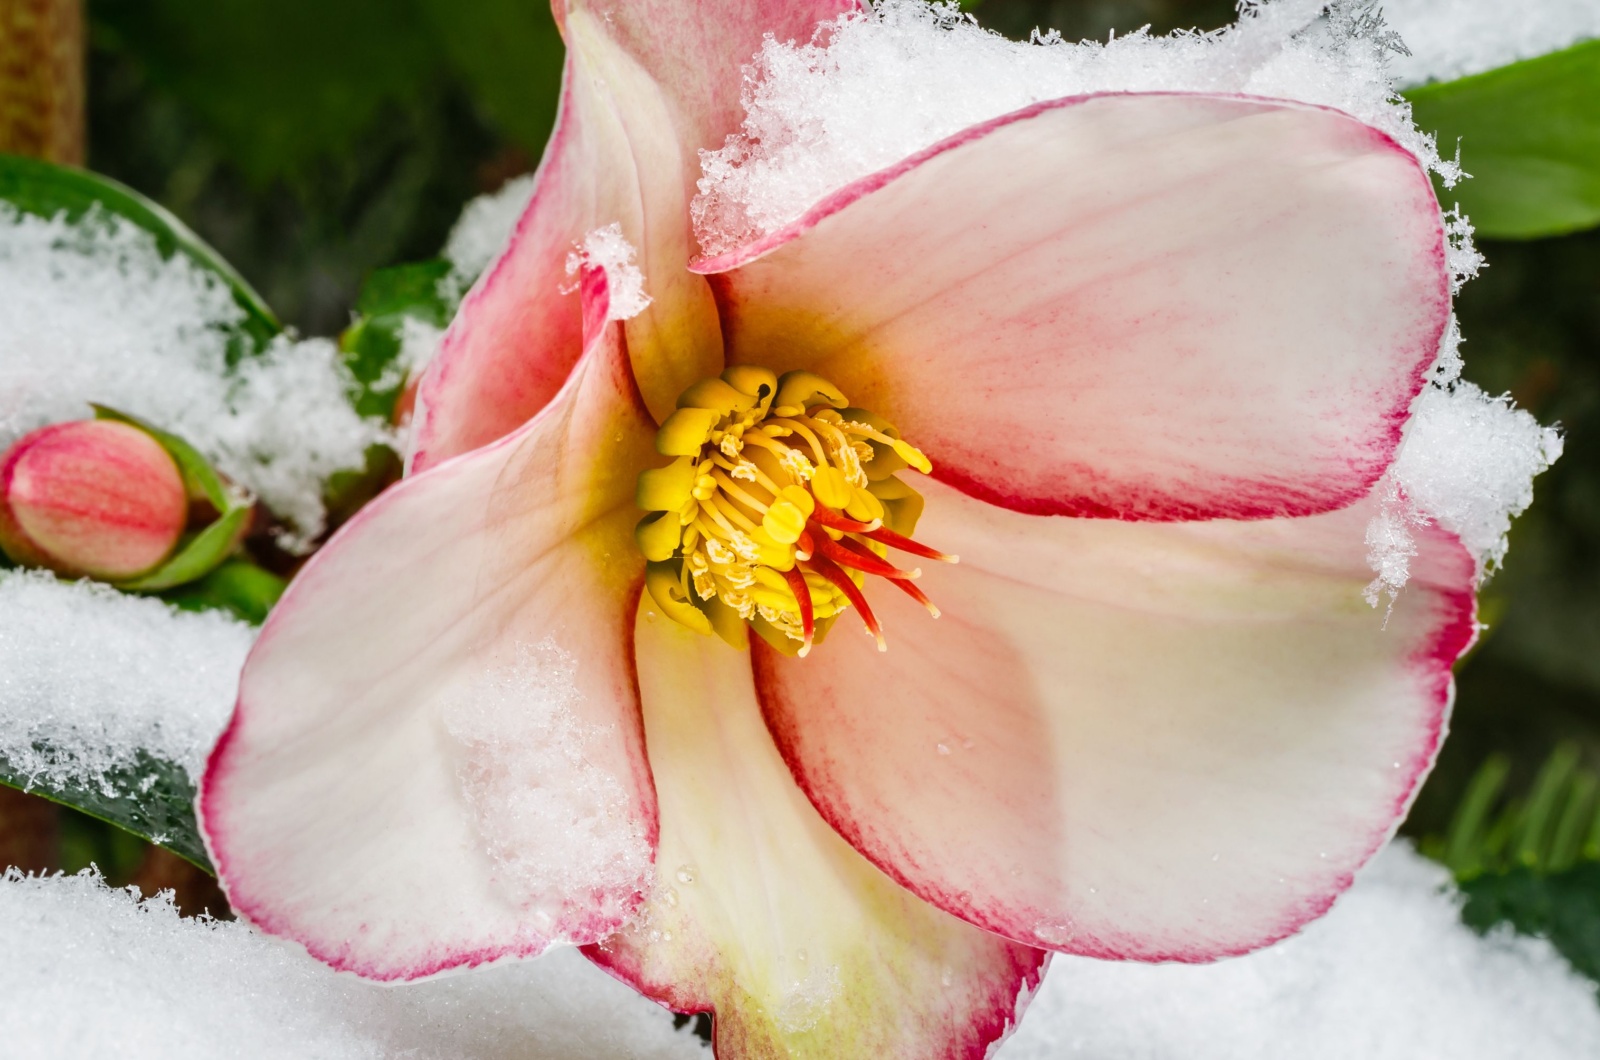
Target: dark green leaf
point(45, 190)
point(1563, 907)
point(1530, 137)
point(152, 799)
point(238, 586)
point(371, 345)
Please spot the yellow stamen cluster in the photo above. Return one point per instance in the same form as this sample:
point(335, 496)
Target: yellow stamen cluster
point(762, 466)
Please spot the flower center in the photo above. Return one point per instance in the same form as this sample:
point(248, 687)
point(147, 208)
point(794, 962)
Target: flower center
point(781, 500)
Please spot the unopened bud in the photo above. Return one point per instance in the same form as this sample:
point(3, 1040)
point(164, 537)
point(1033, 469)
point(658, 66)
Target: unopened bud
point(96, 498)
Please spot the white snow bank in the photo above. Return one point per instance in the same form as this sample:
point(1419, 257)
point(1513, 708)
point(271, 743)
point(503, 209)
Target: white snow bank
point(92, 313)
point(1454, 38)
point(89, 677)
point(1390, 974)
point(93, 972)
point(879, 87)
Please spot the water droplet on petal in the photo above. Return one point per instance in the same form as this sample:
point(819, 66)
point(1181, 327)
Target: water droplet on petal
point(685, 874)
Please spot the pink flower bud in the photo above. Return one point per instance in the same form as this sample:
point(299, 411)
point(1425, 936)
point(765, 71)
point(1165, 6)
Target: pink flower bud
point(95, 498)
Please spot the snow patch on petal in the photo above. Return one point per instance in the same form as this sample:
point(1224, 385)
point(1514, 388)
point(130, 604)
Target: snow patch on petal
point(531, 786)
point(879, 86)
point(606, 248)
point(1467, 463)
point(1448, 39)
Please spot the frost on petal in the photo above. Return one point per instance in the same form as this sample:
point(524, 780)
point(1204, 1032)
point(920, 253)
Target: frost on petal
point(92, 971)
point(1467, 463)
point(884, 85)
point(606, 248)
point(92, 678)
point(547, 813)
point(1390, 974)
point(1448, 39)
point(93, 313)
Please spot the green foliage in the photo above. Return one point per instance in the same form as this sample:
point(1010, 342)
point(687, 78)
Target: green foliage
point(151, 799)
point(371, 345)
point(1563, 907)
point(47, 190)
point(1530, 137)
point(237, 586)
point(286, 83)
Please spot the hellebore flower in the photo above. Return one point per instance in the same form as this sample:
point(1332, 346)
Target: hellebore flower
point(95, 497)
point(1157, 349)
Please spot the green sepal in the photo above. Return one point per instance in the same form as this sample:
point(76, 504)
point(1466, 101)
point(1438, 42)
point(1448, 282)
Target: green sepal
point(47, 190)
point(237, 586)
point(1530, 137)
point(200, 553)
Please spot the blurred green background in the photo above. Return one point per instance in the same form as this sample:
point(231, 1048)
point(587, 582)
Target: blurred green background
point(312, 141)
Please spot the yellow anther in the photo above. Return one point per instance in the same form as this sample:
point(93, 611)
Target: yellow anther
point(659, 535)
point(665, 489)
point(801, 390)
point(770, 552)
point(662, 581)
point(685, 431)
point(784, 521)
point(912, 455)
point(831, 487)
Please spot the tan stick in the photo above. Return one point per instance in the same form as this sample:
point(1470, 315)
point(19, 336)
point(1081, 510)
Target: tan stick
point(42, 79)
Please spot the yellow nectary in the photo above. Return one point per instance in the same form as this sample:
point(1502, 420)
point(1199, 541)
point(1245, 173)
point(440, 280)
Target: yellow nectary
point(780, 500)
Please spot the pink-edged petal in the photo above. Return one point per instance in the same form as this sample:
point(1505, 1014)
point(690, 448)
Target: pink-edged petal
point(1141, 306)
point(1158, 741)
point(648, 83)
point(766, 918)
point(436, 759)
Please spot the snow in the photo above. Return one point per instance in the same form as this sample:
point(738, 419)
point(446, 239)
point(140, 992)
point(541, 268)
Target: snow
point(481, 233)
point(606, 248)
point(90, 971)
point(89, 677)
point(1455, 38)
point(879, 87)
point(1390, 974)
point(1467, 462)
point(559, 826)
point(93, 313)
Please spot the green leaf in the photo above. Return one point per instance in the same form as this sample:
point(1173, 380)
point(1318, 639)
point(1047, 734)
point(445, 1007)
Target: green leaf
point(1530, 137)
point(152, 799)
point(238, 586)
point(45, 190)
point(371, 346)
point(1563, 907)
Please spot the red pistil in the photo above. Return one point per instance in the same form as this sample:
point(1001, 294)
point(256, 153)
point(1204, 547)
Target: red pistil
point(802, 596)
point(830, 518)
point(884, 536)
point(911, 590)
point(847, 553)
point(832, 571)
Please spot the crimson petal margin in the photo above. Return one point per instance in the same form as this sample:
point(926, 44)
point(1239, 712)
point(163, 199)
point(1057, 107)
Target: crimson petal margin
point(338, 807)
point(765, 917)
point(1140, 306)
point(1151, 741)
point(647, 84)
